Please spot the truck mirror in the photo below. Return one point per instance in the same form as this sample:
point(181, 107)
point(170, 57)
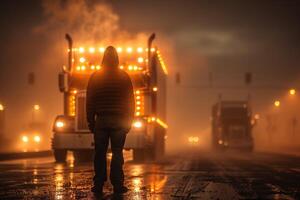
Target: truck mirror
point(248, 78)
point(62, 82)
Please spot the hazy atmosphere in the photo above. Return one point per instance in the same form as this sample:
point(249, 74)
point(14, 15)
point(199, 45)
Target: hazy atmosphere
point(211, 46)
point(152, 99)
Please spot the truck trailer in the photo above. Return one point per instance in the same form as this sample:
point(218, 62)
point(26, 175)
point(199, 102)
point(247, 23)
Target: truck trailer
point(232, 126)
point(148, 73)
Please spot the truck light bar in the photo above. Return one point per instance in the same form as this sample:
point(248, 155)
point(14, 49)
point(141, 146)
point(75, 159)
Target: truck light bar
point(86, 62)
point(84, 68)
point(81, 49)
point(131, 68)
point(129, 50)
point(162, 63)
point(140, 50)
point(101, 49)
point(92, 50)
point(160, 122)
point(139, 102)
point(119, 49)
point(72, 104)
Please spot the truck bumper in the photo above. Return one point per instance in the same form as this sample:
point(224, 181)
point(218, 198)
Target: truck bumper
point(73, 141)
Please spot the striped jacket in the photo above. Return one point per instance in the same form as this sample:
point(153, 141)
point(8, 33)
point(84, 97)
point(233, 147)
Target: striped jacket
point(110, 100)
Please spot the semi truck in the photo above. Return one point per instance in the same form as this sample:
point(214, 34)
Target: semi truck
point(232, 125)
point(148, 72)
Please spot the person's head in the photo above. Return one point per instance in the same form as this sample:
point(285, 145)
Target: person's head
point(110, 58)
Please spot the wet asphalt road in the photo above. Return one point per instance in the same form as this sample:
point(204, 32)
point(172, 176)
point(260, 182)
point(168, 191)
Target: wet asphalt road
point(190, 175)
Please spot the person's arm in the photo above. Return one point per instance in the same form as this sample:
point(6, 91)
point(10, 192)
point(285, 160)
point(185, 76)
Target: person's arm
point(90, 104)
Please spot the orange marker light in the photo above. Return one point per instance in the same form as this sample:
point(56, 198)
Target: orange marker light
point(81, 50)
point(140, 60)
point(292, 91)
point(129, 50)
point(92, 50)
point(277, 103)
point(119, 49)
point(82, 59)
point(101, 49)
point(140, 50)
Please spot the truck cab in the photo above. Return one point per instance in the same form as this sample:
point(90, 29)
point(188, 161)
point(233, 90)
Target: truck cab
point(147, 71)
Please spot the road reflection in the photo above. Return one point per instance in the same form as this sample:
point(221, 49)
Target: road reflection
point(145, 181)
point(58, 180)
point(137, 184)
point(73, 180)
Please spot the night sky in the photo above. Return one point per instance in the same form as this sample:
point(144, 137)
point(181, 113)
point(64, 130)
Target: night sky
point(224, 38)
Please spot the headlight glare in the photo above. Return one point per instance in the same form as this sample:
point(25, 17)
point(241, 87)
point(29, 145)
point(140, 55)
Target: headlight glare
point(63, 124)
point(59, 124)
point(25, 139)
point(137, 124)
point(37, 139)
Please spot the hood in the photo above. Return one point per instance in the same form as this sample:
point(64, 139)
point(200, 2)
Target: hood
point(110, 58)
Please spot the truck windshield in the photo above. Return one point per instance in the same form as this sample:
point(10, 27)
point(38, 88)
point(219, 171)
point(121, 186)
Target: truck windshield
point(239, 112)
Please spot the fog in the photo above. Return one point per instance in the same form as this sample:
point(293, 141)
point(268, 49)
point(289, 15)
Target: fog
point(217, 47)
point(44, 51)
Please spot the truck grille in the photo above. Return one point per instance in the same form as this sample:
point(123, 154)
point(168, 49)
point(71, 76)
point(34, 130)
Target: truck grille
point(81, 122)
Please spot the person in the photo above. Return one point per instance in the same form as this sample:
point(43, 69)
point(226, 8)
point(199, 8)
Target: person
point(110, 110)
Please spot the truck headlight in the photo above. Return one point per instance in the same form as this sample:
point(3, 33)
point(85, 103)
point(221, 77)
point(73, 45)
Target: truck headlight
point(59, 124)
point(25, 139)
point(137, 124)
point(64, 124)
point(37, 139)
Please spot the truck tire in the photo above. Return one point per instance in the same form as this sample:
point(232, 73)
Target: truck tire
point(83, 155)
point(60, 155)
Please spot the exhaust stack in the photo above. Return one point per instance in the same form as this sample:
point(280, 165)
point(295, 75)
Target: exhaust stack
point(70, 51)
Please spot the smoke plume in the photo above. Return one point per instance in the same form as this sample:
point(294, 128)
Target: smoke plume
point(88, 23)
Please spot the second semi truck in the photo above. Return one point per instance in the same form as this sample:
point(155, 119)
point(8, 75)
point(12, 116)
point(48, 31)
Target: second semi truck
point(232, 126)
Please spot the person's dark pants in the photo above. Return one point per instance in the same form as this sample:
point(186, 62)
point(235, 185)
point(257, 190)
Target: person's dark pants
point(117, 138)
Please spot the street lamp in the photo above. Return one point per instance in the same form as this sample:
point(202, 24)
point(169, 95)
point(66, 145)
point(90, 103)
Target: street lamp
point(2, 120)
point(36, 107)
point(292, 91)
point(35, 110)
point(276, 103)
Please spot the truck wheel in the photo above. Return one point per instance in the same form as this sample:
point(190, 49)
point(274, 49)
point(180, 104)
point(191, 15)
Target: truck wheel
point(60, 155)
point(83, 155)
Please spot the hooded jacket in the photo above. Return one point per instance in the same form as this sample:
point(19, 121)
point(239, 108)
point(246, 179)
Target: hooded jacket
point(110, 96)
